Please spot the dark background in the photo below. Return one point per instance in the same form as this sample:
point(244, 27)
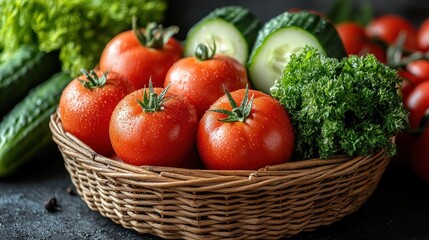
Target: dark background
point(186, 13)
point(399, 208)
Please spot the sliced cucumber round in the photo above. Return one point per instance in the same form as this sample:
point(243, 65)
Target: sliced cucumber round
point(233, 29)
point(284, 35)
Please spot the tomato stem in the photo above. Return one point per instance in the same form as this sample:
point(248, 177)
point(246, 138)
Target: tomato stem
point(92, 80)
point(238, 113)
point(154, 35)
point(205, 51)
point(398, 57)
point(151, 101)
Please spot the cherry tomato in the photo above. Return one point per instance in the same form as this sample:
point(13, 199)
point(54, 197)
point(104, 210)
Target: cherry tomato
point(139, 59)
point(417, 103)
point(423, 35)
point(414, 73)
point(201, 79)
point(353, 37)
point(419, 69)
point(375, 49)
point(86, 105)
point(152, 127)
point(420, 156)
point(253, 136)
point(407, 84)
point(388, 27)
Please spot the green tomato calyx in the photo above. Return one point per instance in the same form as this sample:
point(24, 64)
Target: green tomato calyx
point(238, 113)
point(205, 51)
point(92, 79)
point(154, 35)
point(151, 101)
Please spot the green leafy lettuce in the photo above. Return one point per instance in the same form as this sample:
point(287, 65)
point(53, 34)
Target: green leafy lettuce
point(349, 106)
point(78, 29)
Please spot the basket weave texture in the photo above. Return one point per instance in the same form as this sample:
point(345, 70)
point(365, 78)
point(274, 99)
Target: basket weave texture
point(174, 203)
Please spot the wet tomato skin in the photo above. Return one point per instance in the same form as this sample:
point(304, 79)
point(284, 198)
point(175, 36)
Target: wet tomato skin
point(124, 54)
point(265, 138)
point(388, 27)
point(86, 113)
point(161, 138)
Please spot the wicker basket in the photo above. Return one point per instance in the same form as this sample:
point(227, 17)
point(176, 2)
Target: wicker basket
point(271, 203)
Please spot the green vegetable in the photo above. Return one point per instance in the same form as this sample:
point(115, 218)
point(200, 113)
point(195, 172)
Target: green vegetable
point(233, 28)
point(361, 12)
point(25, 129)
point(284, 35)
point(26, 68)
point(79, 29)
point(349, 106)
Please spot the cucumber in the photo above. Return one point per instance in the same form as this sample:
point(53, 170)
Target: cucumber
point(233, 29)
point(25, 129)
point(284, 35)
point(27, 68)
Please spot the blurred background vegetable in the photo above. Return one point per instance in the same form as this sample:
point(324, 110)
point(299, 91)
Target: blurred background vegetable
point(26, 68)
point(79, 29)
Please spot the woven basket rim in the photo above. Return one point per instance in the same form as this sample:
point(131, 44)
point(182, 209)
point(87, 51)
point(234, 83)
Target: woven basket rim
point(174, 176)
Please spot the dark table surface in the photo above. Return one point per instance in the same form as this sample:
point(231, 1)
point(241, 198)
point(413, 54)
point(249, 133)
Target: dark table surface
point(398, 209)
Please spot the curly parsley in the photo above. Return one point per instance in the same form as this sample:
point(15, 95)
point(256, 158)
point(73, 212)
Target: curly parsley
point(349, 106)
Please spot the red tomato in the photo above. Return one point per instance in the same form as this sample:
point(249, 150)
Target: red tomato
point(139, 62)
point(375, 49)
point(404, 74)
point(357, 42)
point(202, 79)
point(414, 73)
point(420, 156)
point(423, 35)
point(417, 103)
point(407, 85)
point(157, 130)
point(388, 27)
point(85, 110)
point(353, 37)
point(262, 135)
point(419, 69)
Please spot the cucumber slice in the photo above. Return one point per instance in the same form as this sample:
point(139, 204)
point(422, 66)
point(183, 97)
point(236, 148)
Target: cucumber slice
point(284, 35)
point(233, 28)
